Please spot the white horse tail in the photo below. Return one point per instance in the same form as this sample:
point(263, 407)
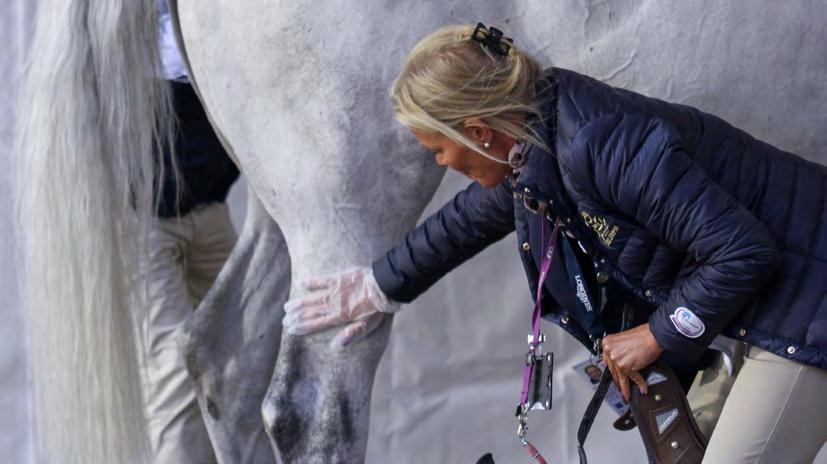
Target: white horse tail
point(89, 117)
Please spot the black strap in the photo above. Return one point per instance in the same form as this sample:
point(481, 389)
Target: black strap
point(591, 412)
point(594, 405)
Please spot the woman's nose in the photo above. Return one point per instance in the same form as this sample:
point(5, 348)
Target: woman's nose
point(440, 159)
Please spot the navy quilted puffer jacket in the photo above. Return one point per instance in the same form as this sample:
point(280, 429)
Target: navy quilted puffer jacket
point(713, 231)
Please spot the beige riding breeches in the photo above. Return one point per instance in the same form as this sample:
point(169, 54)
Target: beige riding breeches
point(185, 255)
point(772, 410)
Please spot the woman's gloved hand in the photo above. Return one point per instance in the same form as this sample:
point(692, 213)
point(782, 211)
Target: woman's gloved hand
point(349, 297)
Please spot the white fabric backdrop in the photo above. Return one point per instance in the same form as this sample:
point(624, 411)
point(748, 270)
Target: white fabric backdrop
point(15, 18)
point(447, 386)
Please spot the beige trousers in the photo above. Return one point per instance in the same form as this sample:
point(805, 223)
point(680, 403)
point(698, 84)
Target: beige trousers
point(184, 259)
point(772, 411)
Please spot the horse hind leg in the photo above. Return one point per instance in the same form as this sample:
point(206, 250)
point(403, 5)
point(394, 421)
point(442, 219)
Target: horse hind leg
point(231, 341)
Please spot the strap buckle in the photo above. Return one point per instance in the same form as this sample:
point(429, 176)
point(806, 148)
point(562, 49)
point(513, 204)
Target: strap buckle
point(522, 424)
point(597, 346)
point(540, 339)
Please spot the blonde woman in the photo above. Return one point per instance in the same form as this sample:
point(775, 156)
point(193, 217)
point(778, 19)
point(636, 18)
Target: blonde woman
point(705, 230)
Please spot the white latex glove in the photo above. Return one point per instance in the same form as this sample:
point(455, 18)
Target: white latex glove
point(349, 297)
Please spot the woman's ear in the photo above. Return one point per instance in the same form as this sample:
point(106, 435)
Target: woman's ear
point(477, 130)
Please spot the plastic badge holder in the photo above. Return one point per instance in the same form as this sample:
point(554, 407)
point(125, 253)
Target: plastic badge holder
point(539, 387)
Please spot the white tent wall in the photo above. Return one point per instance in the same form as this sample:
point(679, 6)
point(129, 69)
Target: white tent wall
point(15, 430)
point(447, 386)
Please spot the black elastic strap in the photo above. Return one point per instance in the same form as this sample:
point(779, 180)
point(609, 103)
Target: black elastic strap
point(591, 412)
point(599, 394)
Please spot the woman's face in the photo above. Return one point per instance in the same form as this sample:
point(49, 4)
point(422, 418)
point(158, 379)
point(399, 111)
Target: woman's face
point(462, 159)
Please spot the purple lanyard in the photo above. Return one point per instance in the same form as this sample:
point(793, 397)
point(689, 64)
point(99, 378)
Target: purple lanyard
point(545, 266)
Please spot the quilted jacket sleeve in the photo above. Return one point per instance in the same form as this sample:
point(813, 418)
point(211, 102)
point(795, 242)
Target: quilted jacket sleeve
point(635, 164)
point(474, 219)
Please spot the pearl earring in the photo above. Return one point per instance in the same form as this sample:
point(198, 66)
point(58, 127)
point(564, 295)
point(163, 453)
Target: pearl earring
point(487, 144)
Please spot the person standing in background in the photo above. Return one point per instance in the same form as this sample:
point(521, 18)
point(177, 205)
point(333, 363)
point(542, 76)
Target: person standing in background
point(190, 239)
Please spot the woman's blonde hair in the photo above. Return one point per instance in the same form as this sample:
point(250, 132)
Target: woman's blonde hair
point(449, 77)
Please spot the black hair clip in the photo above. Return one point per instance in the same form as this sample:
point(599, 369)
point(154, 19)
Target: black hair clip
point(492, 39)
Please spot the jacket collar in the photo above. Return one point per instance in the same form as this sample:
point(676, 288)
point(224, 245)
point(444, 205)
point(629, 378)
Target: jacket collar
point(540, 176)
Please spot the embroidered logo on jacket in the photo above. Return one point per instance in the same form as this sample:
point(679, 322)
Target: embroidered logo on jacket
point(605, 230)
point(687, 323)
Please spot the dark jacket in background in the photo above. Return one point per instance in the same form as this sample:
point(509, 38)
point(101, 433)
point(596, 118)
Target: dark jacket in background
point(205, 170)
point(678, 207)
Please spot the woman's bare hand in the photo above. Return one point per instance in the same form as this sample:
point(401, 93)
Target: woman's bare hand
point(625, 353)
